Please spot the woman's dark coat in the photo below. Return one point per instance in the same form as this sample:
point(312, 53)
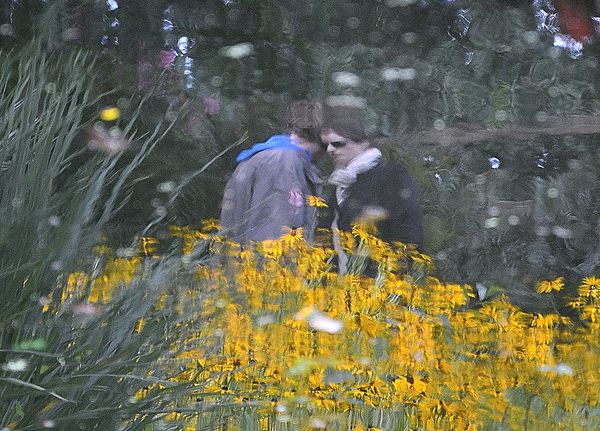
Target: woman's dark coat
point(390, 188)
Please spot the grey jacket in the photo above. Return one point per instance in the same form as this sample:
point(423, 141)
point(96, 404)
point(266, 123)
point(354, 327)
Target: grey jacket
point(267, 193)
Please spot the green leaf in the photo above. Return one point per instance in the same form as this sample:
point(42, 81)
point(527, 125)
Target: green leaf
point(494, 289)
point(37, 344)
point(19, 410)
point(19, 382)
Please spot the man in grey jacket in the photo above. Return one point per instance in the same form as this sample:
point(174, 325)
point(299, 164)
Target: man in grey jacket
point(268, 190)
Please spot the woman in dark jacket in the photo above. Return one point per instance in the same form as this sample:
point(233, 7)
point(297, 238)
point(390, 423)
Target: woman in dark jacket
point(388, 194)
point(365, 185)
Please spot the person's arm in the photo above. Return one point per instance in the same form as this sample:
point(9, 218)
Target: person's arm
point(327, 214)
point(235, 205)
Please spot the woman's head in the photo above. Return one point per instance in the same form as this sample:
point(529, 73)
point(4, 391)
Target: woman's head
point(343, 133)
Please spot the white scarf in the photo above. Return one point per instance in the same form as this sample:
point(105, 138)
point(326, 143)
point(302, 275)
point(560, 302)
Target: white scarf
point(345, 177)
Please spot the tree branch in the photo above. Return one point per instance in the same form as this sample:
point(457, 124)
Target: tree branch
point(553, 126)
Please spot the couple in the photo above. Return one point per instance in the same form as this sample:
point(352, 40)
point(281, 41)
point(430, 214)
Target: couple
point(269, 188)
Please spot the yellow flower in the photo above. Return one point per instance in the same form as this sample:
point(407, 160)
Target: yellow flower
point(364, 231)
point(272, 249)
point(406, 343)
point(419, 385)
point(148, 245)
point(263, 423)
point(315, 201)
point(591, 313)
point(421, 258)
point(139, 326)
point(546, 322)
point(590, 288)
point(173, 416)
point(292, 238)
point(110, 114)
point(102, 250)
point(347, 240)
point(551, 285)
point(401, 386)
point(210, 224)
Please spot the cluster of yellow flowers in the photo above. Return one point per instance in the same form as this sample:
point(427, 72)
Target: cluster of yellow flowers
point(282, 333)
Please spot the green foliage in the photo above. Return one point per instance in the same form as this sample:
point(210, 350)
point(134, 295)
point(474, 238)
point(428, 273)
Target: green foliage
point(95, 363)
point(57, 195)
point(79, 368)
point(43, 104)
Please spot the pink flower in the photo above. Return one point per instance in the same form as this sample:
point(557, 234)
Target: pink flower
point(167, 57)
point(211, 105)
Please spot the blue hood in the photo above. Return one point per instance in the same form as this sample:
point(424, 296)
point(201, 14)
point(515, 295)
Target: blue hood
point(277, 141)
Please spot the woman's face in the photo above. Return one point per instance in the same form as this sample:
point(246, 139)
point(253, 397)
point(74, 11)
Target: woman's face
point(342, 150)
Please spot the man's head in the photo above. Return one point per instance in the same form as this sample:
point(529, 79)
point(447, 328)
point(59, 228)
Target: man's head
point(344, 134)
point(305, 118)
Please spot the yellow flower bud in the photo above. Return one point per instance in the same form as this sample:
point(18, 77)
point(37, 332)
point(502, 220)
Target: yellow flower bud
point(110, 114)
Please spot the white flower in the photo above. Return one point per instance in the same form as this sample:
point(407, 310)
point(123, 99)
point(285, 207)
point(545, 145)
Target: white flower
point(562, 232)
point(238, 51)
point(564, 370)
point(112, 4)
point(491, 222)
point(15, 365)
point(322, 322)
point(166, 187)
point(397, 74)
point(48, 423)
point(265, 319)
point(481, 291)
point(358, 102)
point(317, 423)
point(561, 369)
point(319, 321)
point(346, 79)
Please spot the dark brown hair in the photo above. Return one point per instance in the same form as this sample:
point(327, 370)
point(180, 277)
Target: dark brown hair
point(346, 121)
point(305, 118)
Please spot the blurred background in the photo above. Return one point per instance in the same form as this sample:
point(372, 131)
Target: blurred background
point(491, 104)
